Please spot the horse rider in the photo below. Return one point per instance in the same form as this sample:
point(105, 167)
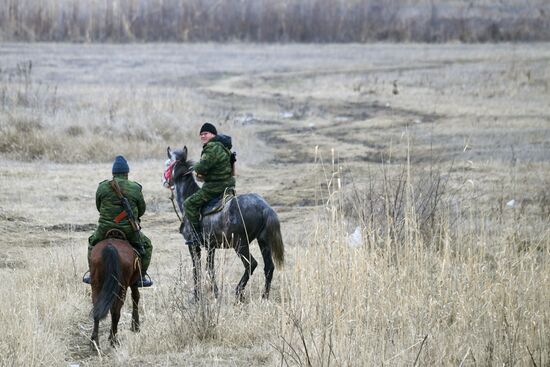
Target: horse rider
point(215, 169)
point(113, 215)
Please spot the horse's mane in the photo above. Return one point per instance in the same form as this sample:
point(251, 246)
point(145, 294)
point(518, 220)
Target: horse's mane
point(188, 164)
point(178, 154)
point(190, 185)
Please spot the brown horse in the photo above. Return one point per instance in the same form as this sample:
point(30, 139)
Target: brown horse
point(114, 265)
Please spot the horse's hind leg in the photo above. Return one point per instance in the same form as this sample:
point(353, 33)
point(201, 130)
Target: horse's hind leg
point(115, 317)
point(135, 310)
point(211, 273)
point(95, 335)
point(249, 263)
point(195, 252)
point(269, 267)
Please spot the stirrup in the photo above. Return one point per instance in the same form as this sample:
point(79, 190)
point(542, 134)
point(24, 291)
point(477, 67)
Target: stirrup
point(144, 281)
point(86, 278)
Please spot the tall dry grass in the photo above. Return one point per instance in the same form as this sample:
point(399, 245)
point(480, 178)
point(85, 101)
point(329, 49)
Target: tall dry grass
point(268, 21)
point(472, 293)
point(39, 308)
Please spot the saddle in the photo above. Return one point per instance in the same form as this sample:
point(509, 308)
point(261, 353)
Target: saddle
point(218, 203)
point(116, 234)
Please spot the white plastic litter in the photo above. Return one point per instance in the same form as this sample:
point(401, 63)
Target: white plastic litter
point(356, 238)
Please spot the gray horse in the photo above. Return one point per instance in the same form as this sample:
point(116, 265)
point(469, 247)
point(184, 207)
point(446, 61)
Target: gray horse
point(243, 219)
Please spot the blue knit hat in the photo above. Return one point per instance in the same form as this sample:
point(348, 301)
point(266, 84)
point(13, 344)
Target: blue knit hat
point(120, 165)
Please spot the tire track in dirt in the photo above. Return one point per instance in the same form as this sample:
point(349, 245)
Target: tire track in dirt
point(292, 138)
point(352, 128)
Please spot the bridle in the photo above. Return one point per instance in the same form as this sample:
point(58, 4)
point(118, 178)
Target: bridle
point(168, 176)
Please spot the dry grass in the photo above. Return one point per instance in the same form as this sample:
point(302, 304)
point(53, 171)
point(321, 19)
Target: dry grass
point(403, 244)
point(139, 123)
point(470, 295)
point(477, 297)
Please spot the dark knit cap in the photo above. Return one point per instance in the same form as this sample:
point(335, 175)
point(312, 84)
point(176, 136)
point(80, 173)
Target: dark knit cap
point(208, 127)
point(120, 165)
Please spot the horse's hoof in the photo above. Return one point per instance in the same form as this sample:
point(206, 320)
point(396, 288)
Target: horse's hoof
point(135, 328)
point(114, 341)
point(94, 346)
point(194, 299)
point(240, 298)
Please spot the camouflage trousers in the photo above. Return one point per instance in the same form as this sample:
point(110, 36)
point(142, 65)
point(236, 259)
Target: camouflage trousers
point(132, 237)
point(195, 202)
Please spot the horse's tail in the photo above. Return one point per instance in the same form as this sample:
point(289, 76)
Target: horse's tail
point(111, 282)
point(273, 229)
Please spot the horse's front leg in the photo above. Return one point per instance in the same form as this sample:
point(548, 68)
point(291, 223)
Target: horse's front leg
point(211, 273)
point(135, 310)
point(195, 252)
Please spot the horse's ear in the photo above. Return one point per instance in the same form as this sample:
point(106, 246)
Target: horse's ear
point(169, 152)
point(185, 152)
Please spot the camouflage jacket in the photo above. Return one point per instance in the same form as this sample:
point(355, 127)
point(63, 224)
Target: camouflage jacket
point(215, 163)
point(109, 206)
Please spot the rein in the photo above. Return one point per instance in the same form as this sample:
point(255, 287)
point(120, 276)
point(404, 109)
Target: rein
point(169, 180)
point(174, 205)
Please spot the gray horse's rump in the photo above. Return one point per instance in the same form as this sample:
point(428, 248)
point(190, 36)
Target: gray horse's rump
point(241, 219)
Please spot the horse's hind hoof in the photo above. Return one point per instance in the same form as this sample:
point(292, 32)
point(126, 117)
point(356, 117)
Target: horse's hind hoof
point(195, 298)
point(114, 341)
point(214, 289)
point(94, 346)
point(240, 298)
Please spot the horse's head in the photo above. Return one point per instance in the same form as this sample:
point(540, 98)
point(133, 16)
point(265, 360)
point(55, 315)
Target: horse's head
point(176, 166)
point(177, 155)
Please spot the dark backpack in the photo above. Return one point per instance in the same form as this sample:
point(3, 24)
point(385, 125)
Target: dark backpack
point(226, 142)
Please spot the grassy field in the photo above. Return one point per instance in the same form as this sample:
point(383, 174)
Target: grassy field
point(412, 182)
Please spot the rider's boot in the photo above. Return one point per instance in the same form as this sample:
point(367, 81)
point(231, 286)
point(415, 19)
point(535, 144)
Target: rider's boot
point(144, 280)
point(86, 278)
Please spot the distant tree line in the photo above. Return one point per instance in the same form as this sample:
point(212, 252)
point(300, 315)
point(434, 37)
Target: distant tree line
point(274, 20)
